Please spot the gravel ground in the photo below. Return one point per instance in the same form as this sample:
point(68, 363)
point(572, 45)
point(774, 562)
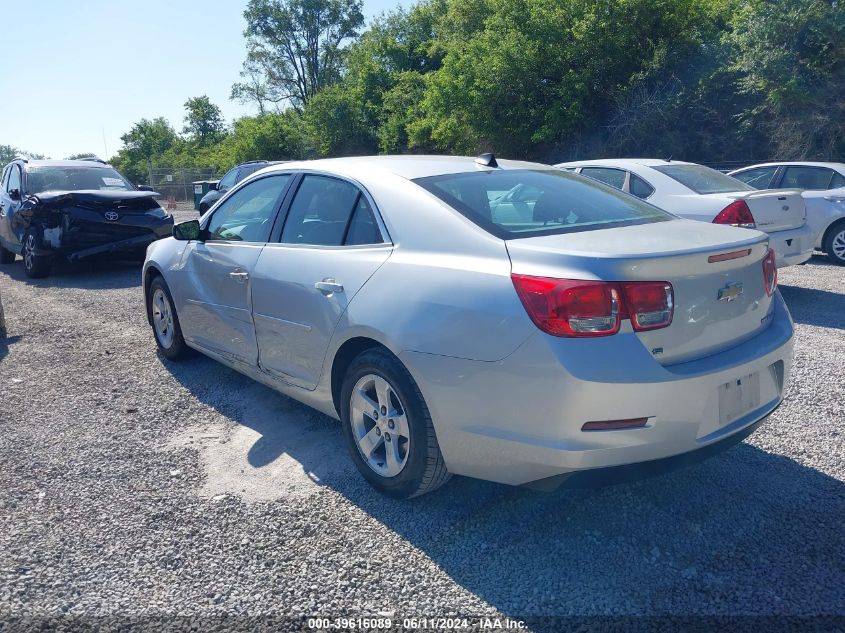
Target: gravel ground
point(133, 488)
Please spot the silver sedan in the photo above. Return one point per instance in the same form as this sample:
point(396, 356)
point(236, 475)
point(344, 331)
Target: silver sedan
point(495, 319)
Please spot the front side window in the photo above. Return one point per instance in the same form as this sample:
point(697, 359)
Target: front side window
point(759, 177)
point(14, 179)
point(613, 177)
point(43, 179)
point(801, 177)
point(247, 215)
point(562, 202)
point(701, 179)
point(329, 212)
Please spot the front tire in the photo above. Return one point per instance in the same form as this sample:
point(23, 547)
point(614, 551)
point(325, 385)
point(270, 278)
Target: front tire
point(388, 428)
point(35, 266)
point(165, 321)
point(834, 243)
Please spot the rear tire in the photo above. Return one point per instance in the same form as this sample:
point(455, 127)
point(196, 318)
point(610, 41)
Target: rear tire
point(383, 410)
point(165, 322)
point(6, 256)
point(35, 266)
point(834, 243)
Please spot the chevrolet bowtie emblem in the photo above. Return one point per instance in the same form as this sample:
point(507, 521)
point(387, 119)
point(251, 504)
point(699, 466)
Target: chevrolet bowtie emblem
point(731, 291)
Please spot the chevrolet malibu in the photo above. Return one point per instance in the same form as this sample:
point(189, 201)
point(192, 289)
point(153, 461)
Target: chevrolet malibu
point(496, 319)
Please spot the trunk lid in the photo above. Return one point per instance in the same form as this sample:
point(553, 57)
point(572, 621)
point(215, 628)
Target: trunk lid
point(677, 251)
point(773, 209)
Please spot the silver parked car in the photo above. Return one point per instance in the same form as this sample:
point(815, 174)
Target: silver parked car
point(501, 320)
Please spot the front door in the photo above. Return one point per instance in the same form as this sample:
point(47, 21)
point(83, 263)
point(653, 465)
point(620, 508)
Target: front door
point(216, 274)
point(11, 195)
point(331, 244)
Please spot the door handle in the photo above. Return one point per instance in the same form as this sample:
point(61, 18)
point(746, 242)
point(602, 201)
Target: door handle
point(239, 275)
point(328, 286)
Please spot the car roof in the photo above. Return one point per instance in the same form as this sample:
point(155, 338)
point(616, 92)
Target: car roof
point(802, 163)
point(623, 162)
point(63, 163)
point(410, 167)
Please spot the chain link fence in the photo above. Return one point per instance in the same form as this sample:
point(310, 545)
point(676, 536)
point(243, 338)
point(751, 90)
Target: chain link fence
point(177, 182)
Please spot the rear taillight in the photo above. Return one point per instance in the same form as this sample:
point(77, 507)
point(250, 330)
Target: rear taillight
point(738, 214)
point(649, 304)
point(770, 272)
point(577, 308)
point(567, 307)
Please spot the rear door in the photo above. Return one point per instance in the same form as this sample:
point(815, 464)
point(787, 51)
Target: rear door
point(806, 177)
point(215, 279)
point(331, 244)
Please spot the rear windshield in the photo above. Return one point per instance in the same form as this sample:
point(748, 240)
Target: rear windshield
point(525, 203)
point(702, 179)
point(41, 179)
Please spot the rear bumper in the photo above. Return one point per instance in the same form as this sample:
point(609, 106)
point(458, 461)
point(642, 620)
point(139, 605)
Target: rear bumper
point(793, 246)
point(519, 420)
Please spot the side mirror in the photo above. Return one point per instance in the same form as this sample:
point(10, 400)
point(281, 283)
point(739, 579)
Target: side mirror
point(187, 231)
point(212, 186)
point(145, 188)
point(15, 194)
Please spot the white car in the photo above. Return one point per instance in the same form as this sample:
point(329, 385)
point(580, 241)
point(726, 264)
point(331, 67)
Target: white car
point(824, 195)
point(697, 192)
point(496, 319)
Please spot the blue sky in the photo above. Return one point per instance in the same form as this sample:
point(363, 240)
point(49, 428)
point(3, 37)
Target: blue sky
point(77, 71)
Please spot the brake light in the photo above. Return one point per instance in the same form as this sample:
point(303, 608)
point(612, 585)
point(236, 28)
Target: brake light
point(738, 214)
point(649, 304)
point(578, 308)
point(566, 307)
point(770, 272)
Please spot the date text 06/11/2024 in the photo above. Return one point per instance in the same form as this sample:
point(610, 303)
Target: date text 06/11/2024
point(376, 623)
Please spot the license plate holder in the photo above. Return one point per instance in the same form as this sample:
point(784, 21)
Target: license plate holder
point(738, 397)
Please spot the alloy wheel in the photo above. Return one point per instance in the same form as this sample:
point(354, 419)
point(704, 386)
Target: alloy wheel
point(29, 252)
point(837, 245)
point(162, 318)
point(380, 425)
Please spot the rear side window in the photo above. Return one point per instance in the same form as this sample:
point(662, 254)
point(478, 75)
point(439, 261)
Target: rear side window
point(837, 181)
point(801, 177)
point(701, 179)
point(759, 177)
point(329, 212)
point(554, 202)
point(613, 177)
point(640, 187)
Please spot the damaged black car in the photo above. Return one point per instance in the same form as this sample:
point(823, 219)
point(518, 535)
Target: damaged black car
point(74, 209)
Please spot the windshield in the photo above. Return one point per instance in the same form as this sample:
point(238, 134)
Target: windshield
point(702, 179)
point(524, 203)
point(41, 179)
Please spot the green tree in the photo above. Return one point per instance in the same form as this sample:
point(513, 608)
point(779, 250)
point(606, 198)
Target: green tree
point(146, 141)
point(337, 123)
point(9, 153)
point(204, 122)
point(295, 48)
point(790, 56)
